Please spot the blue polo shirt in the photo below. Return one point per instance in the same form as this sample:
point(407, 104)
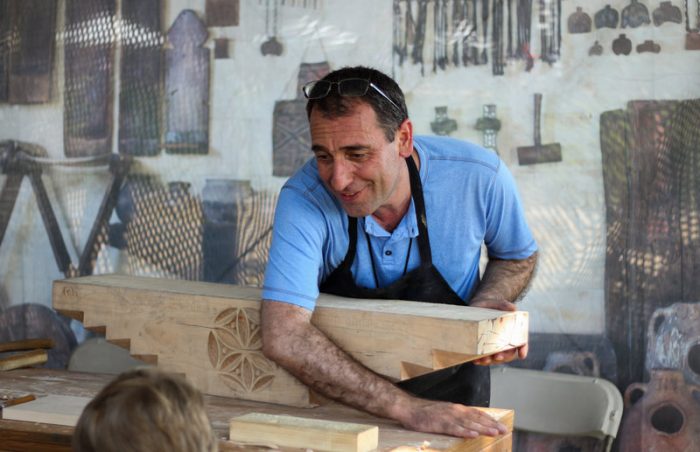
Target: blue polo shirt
point(470, 199)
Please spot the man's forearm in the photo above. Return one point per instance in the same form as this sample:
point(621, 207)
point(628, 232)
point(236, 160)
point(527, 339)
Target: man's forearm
point(506, 279)
point(314, 359)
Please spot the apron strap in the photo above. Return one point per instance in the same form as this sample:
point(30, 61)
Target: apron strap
point(426, 256)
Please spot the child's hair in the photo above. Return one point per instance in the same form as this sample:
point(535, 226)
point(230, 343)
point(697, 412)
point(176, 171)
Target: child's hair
point(145, 410)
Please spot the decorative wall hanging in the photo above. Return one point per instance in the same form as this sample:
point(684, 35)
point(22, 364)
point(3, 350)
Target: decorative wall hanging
point(489, 126)
point(187, 86)
point(692, 36)
point(31, 56)
point(441, 29)
point(141, 87)
point(524, 15)
point(539, 153)
point(648, 46)
point(635, 14)
point(622, 45)
point(666, 12)
point(88, 91)
point(222, 13)
point(607, 17)
point(271, 46)
point(291, 139)
point(221, 48)
point(579, 22)
point(5, 40)
point(596, 49)
point(442, 125)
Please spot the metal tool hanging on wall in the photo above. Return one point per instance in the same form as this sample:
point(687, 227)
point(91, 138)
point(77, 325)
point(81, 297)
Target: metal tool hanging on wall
point(489, 125)
point(692, 35)
point(539, 153)
point(271, 46)
point(472, 32)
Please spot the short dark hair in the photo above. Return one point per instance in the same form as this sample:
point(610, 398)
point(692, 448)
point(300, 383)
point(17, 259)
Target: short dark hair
point(334, 105)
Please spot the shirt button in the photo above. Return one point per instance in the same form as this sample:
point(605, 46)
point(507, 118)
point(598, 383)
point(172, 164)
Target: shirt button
point(387, 252)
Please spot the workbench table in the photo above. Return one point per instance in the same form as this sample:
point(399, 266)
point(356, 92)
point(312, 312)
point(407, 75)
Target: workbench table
point(32, 436)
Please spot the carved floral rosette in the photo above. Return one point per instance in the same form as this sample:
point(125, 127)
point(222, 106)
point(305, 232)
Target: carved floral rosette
point(235, 351)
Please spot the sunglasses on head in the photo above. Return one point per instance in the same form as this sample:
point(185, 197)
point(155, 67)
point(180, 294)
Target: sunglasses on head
point(349, 87)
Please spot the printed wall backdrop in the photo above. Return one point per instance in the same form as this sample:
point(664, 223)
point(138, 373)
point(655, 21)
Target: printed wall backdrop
point(151, 137)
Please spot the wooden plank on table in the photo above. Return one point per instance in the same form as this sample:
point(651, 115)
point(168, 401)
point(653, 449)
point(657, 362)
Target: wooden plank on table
point(24, 360)
point(88, 93)
point(211, 332)
point(26, 344)
point(187, 86)
point(51, 409)
point(222, 13)
point(293, 431)
point(31, 58)
point(141, 82)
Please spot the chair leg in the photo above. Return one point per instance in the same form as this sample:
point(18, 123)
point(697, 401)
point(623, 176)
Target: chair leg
point(608, 443)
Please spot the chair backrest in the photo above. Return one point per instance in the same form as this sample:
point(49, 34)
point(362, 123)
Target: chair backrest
point(559, 404)
point(96, 355)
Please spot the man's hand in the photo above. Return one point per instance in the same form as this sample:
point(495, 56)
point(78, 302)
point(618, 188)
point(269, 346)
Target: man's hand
point(451, 419)
point(505, 356)
point(294, 343)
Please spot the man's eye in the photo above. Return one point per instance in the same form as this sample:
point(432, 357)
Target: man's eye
point(322, 157)
point(357, 155)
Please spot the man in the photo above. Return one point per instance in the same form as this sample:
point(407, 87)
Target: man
point(380, 213)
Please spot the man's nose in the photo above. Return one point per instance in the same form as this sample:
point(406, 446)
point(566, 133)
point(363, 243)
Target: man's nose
point(341, 175)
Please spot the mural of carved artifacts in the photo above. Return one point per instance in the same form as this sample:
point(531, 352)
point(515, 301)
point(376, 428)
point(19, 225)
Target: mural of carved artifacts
point(163, 229)
point(579, 22)
point(666, 12)
point(575, 363)
point(635, 14)
point(692, 36)
point(596, 49)
point(539, 153)
point(187, 86)
point(489, 125)
point(652, 255)
point(31, 57)
point(141, 85)
point(622, 45)
point(607, 17)
point(222, 13)
point(442, 125)
point(291, 139)
point(673, 340)
point(271, 46)
point(663, 414)
point(88, 93)
point(648, 46)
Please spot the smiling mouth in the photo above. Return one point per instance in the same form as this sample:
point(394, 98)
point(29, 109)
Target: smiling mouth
point(349, 197)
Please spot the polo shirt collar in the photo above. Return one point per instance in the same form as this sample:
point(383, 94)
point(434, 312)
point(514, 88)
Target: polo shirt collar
point(407, 227)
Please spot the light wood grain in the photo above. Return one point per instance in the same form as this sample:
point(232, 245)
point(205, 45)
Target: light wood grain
point(211, 332)
point(293, 431)
point(51, 409)
point(24, 360)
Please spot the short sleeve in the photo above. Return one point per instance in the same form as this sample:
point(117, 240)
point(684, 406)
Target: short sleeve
point(295, 258)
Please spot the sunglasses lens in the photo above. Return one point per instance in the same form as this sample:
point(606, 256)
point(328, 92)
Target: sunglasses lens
point(353, 87)
point(317, 89)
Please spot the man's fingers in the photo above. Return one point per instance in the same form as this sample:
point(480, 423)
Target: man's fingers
point(522, 351)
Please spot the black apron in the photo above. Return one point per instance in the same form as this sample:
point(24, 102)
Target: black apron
point(467, 383)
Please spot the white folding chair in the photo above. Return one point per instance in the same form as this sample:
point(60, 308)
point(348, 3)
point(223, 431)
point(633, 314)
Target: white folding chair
point(96, 355)
point(558, 404)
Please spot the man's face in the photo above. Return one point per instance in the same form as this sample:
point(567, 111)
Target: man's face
point(357, 163)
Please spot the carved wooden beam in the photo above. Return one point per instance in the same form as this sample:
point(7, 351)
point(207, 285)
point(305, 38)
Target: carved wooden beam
point(211, 332)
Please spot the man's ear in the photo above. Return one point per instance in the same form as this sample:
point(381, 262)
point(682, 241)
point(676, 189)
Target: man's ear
point(404, 138)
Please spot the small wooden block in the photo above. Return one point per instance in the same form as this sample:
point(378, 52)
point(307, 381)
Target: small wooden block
point(24, 360)
point(52, 409)
point(292, 431)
